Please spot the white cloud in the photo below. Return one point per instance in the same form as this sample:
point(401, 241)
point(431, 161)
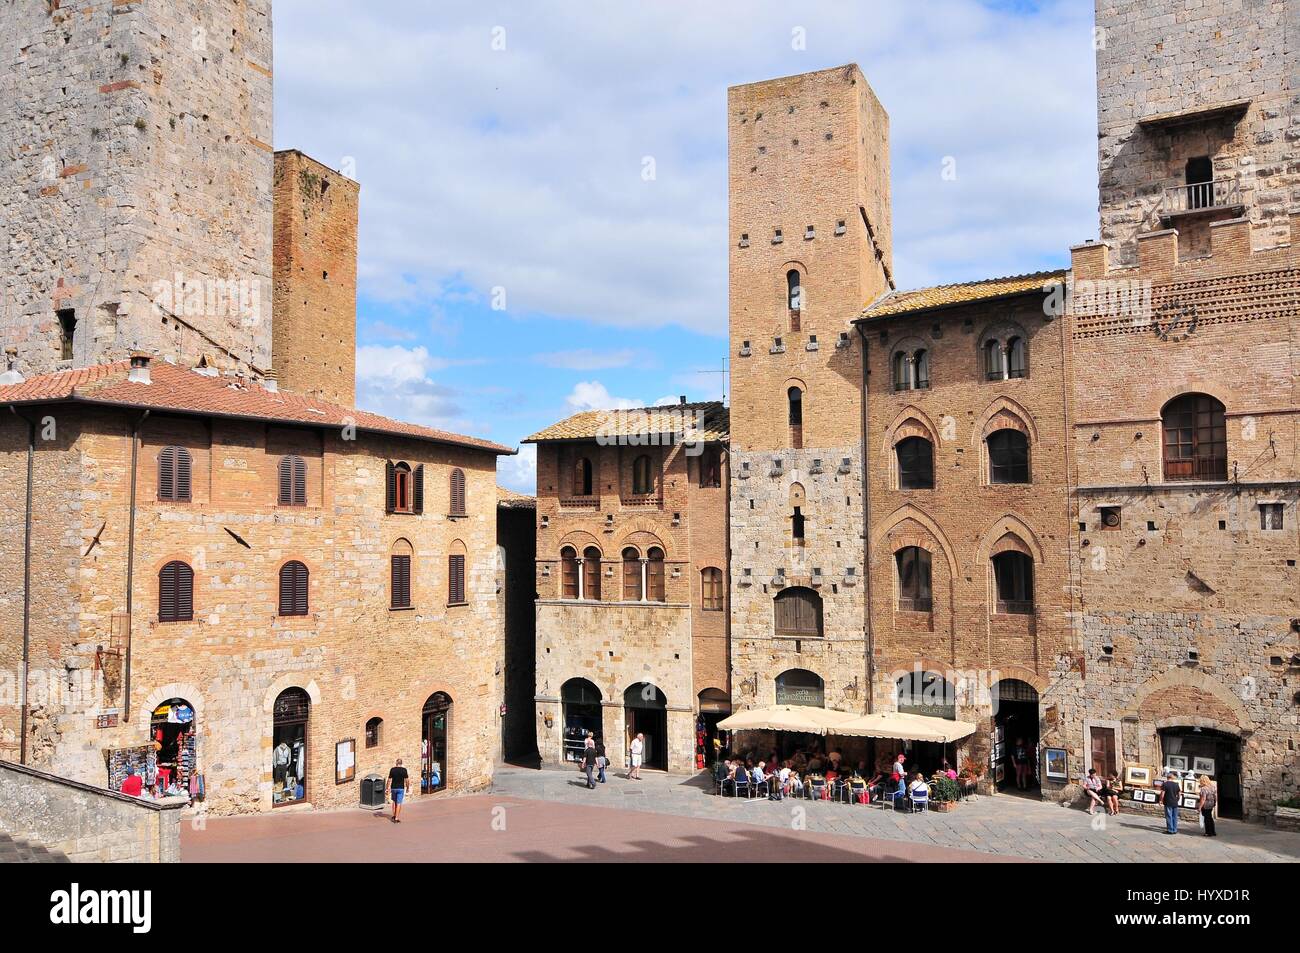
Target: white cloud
point(519, 473)
point(398, 382)
point(586, 359)
point(593, 395)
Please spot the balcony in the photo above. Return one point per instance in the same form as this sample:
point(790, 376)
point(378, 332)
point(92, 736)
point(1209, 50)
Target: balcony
point(1202, 468)
point(1200, 198)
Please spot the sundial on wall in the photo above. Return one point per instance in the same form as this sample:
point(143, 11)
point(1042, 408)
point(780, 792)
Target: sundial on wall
point(1174, 321)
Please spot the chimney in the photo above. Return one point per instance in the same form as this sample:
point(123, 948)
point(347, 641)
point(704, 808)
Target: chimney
point(271, 381)
point(139, 373)
point(682, 398)
point(11, 375)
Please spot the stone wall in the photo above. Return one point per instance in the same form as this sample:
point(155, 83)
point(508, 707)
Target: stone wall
point(356, 657)
point(1169, 57)
point(87, 824)
point(314, 341)
point(137, 184)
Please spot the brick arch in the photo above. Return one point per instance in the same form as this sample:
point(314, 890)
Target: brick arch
point(925, 663)
point(641, 534)
point(1034, 680)
point(1004, 413)
point(606, 692)
point(186, 690)
point(291, 680)
point(911, 421)
point(1010, 525)
point(1225, 709)
point(794, 382)
point(901, 515)
point(580, 540)
point(1171, 392)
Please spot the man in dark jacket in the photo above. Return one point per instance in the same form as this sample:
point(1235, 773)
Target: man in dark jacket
point(1171, 795)
point(589, 764)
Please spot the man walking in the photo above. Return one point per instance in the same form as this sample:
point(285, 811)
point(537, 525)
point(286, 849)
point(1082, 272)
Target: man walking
point(589, 764)
point(637, 751)
point(1171, 794)
point(399, 782)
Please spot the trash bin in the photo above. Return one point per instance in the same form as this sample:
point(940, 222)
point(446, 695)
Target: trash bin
point(372, 791)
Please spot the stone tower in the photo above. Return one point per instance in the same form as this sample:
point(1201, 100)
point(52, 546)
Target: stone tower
point(810, 246)
point(315, 334)
point(135, 186)
point(1195, 107)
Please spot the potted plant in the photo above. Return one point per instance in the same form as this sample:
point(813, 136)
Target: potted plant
point(944, 793)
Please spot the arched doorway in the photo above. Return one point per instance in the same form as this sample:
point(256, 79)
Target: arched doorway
point(715, 705)
point(1015, 735)
point(645, 712)
point(580, 703)
point(800, 687)
point(289, 765)
point(435, 727)
point(172, 729)
point(1196, 751)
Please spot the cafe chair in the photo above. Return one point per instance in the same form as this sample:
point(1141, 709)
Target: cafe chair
point(920, 800)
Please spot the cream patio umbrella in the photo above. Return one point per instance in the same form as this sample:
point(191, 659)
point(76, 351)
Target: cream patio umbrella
point(802, 718)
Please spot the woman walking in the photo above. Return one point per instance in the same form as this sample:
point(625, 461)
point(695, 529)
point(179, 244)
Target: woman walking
point(1207, 799)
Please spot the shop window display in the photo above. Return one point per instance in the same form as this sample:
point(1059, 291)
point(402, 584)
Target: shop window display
point(172, 736)
point(289, 747)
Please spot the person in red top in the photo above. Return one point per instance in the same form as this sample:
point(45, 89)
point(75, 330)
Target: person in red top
point(132, 786)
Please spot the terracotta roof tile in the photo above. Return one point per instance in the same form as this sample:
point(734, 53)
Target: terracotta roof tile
point(710, 420)
point(183, 390)
point(945, 296)
point(510, 498)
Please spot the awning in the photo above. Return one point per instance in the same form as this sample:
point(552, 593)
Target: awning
point(804, 718)
point(904, 727)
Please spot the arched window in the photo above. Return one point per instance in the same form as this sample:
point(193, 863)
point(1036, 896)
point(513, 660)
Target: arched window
point(293, 588)
point(921, 370)
point(631, 575)
point(794, 400)
point(293, 481)
point(993, 359)
point(176, 593)
point(798, 526)
point(374, 732)
point(582, 485)
point(902, 367)
point(712, 595)
point(1008, 456)
point(911, 369)
point(643, 483)
point(794, 289)
point(399, 588)
point(456, 595)
point(800, 687)
point(569, 573)
point(457, 493)
point(1013, 573)
point(915, 464)
point(913, 565)
point(174, 466)
point(1195, 438)
point(1016, 366)
point(405, 488)
point(591, 573)
point(926, 693)
point(654, 574)
point(798, 613)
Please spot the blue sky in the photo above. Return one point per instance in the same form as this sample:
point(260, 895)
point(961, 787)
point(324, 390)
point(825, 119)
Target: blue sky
point(516, 265)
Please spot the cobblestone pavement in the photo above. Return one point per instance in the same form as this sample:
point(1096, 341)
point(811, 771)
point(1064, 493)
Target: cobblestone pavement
point(1005, 825)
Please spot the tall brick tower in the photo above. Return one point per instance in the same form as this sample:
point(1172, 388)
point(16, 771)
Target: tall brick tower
point(1195, 107)
point(810, 246)
point(135, 189)
point(315, 336)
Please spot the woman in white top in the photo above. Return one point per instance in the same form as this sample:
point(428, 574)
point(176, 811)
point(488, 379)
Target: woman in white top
point(637, 751)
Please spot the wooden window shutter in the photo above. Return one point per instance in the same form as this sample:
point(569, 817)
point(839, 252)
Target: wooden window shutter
point(167, 593)
point(401, 582)
point(458, 492)
point(390, 482)
point(456, 579)
point(176, 593)
point(167, 474)
point(417, 493)
point(299, 481)
point(182, 474)
point(293, 589)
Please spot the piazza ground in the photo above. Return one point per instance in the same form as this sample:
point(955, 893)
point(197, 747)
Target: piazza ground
point(537, 816)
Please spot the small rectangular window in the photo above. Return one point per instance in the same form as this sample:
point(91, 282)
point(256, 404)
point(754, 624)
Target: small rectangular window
point(1110, 517)
point(67, 332)
point(1270, 516)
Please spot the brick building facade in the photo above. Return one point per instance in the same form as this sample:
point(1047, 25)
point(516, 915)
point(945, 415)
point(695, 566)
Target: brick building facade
point(632, 612)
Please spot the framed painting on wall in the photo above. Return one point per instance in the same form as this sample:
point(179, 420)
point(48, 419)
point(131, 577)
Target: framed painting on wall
point(1203, 766)
point(1138, 775)
point(1056, 764)
point(1175, 762)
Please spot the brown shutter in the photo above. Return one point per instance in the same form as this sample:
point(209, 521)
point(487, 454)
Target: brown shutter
point(176, 593)
point(167, 593)
point(300, 589)
point(182, 474)
point(299, 481)
point(286, 580)
point(401, 582)
point(167, 474)
point(390, 482)
point(457, 492)
point(418, 492)
point(456, 579)
point(293, 589)
point(286, 484)
point(184, 593)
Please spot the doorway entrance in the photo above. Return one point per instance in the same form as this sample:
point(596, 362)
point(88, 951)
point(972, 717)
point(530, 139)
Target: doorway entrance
point(645, 711)
point(1197, 751)
point(580, 709)
point(172, 733)
point(715, 705)
point(289, 767)
point(435, 723)
point(1015, 736)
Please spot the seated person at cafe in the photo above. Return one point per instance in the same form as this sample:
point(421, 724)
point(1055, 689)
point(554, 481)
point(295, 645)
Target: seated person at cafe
point(918, 783)
point(722, 772)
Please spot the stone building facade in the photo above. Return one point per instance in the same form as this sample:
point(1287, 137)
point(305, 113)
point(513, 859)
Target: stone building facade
point(103, 651)
point(107, 111)
point(632, 609)
point(810, 240)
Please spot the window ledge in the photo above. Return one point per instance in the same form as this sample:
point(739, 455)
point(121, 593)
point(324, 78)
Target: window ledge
point(401, 608)
point(457, 605)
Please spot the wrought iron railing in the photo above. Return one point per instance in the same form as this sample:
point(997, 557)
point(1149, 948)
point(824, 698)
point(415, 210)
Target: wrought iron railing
point(1197, 468)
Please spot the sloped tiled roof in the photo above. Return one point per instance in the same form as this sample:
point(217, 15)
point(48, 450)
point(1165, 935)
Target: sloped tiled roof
point(710, 420)
point(513, 500)
point(969, 292)
point(182, 390)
